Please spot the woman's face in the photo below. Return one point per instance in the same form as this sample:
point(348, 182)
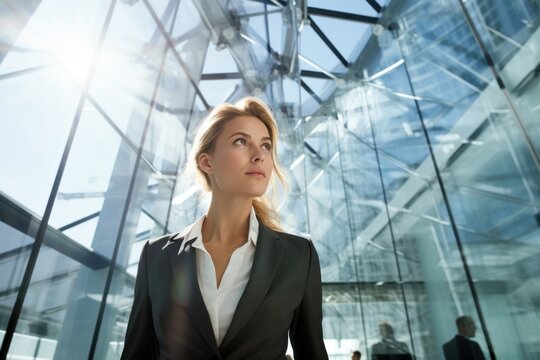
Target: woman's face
point(242, 161)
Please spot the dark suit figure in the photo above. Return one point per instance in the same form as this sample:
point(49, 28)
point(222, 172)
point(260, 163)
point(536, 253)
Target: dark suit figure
point(389, 348)
point(169, 319)
point(461, 347)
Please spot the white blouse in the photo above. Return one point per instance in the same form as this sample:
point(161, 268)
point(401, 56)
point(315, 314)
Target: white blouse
point(221, 302)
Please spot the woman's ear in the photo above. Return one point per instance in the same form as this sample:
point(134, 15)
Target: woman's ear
point(205, 163)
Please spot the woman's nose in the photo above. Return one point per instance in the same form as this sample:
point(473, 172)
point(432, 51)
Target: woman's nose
point(258, 156)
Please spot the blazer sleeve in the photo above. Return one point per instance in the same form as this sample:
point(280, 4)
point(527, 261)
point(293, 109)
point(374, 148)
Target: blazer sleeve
point(141, 341)
point(306, 328)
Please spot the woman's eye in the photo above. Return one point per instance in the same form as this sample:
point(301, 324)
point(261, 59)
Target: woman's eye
point(243, 141)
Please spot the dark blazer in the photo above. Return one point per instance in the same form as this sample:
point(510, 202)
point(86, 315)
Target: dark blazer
point(169, 319)
point(461, 348)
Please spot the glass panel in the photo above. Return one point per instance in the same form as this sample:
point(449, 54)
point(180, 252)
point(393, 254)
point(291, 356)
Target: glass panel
point(188, 22)
point(360, 7)
point(93, 191)
point(125, 76)
point(285, 100)
point(15, 247)
point(165, 10)
point(510, 33)
point(219, 60)
point(505, 27)
point(139, 228)
point(29, 159)
point(487, 169)
point(60, 308)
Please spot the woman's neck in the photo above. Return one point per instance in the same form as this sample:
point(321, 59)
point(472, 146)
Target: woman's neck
point(227, 220)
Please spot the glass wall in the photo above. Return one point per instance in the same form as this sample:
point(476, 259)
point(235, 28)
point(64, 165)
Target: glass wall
point(409, 131)
point(439, 165)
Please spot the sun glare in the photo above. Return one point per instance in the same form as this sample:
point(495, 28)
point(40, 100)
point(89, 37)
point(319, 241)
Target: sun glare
point(74, 57)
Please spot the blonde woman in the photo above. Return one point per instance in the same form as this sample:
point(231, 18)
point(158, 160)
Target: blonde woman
point(231, 285)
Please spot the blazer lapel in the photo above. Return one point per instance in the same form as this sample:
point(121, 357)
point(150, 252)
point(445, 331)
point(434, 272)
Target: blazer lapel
point(184, 270)
point(265, 263)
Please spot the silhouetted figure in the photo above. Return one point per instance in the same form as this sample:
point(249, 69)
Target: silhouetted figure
point(356, 355)
point(389, 348)
point(461, 347)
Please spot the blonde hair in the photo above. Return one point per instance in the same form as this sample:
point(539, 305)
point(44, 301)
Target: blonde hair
point(206, 139)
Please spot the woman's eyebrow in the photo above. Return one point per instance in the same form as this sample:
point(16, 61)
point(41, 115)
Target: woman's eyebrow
point(248, 136)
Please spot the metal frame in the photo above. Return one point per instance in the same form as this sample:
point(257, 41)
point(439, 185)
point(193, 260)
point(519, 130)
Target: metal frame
point(343, 15)
point(327, 41)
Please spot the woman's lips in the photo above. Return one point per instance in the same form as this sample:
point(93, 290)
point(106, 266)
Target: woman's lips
point(256, 175)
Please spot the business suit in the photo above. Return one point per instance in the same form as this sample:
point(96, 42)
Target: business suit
point(462, 348)
point(390, 348)
point(169, 319)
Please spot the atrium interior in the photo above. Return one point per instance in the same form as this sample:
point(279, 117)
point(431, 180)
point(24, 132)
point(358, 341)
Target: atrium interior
point(409, 131)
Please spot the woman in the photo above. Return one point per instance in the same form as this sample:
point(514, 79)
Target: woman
point(231, 285)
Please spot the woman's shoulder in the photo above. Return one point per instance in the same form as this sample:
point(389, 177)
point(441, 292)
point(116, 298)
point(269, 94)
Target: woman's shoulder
point(299, 241)
point(299, 248)
point(294, 236)
point(160, 239)
point(162, 242)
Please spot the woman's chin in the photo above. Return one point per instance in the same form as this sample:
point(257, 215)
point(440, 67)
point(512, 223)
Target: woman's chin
point(254, 192)
point(257, 194)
